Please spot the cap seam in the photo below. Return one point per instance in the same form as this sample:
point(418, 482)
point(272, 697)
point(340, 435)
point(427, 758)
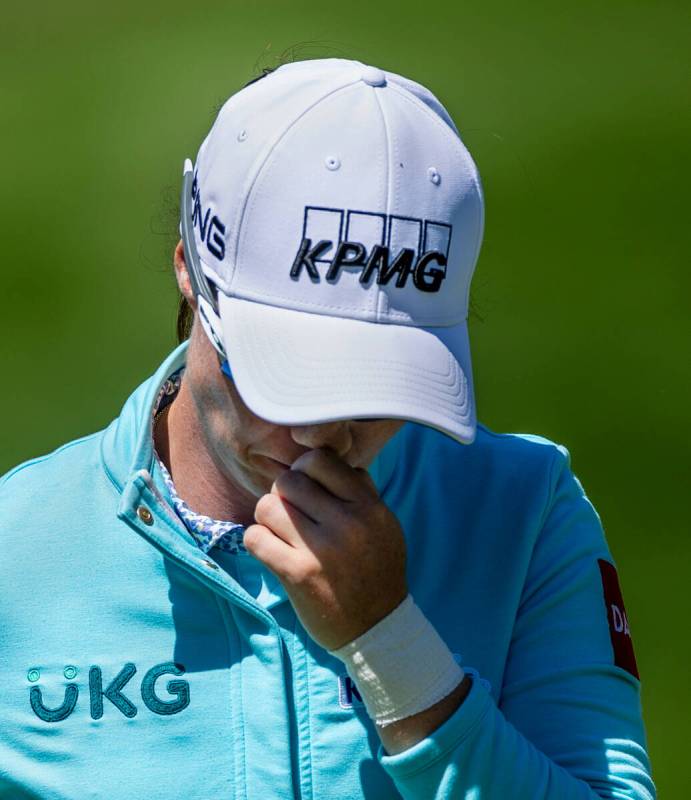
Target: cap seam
point(475, 175)
point(411, 98)
point(382, 297)
point(262, 160)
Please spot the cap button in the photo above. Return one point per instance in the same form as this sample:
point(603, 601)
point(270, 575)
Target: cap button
point(373, 76)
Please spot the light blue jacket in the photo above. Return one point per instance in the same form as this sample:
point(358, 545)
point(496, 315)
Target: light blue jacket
point(132, 665)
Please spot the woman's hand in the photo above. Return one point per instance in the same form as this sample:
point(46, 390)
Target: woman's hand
point(338, 550)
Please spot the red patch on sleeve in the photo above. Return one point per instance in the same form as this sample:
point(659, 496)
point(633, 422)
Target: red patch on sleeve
point(619, 632)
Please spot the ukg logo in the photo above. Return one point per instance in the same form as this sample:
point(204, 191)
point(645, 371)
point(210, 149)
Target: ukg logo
point(113, 692)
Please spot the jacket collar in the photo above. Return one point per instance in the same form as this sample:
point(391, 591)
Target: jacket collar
point(127, 445)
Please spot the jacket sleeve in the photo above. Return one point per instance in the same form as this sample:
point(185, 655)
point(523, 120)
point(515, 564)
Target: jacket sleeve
point(568, 724)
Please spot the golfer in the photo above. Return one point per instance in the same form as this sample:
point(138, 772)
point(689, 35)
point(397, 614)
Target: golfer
point(295, 565)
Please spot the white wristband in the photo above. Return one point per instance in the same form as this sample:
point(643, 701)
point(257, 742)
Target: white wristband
point(401, 665)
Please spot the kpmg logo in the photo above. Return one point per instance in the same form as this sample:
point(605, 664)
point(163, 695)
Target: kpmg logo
point(113, 692)
point(392, 246)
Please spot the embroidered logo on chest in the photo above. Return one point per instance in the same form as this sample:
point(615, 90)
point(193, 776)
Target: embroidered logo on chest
point(113, 692)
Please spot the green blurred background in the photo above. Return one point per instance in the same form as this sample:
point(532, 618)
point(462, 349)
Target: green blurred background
point(578, 118)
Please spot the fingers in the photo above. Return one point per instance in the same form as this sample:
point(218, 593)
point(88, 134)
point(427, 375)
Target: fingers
point(283, 519)
point(324, 465)
point(268, 548)
point(307, 495)
point(294, 567)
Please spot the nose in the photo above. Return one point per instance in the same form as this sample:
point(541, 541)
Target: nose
point(336, 435)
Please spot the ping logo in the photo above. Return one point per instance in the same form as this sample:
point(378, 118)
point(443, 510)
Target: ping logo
point(404, 248)
point(114, 692)
point(211, 231)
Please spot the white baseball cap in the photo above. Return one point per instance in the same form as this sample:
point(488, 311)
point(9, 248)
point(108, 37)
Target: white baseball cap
point(332, 222)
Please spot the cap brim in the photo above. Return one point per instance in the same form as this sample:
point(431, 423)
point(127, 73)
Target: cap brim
point(294, 368)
